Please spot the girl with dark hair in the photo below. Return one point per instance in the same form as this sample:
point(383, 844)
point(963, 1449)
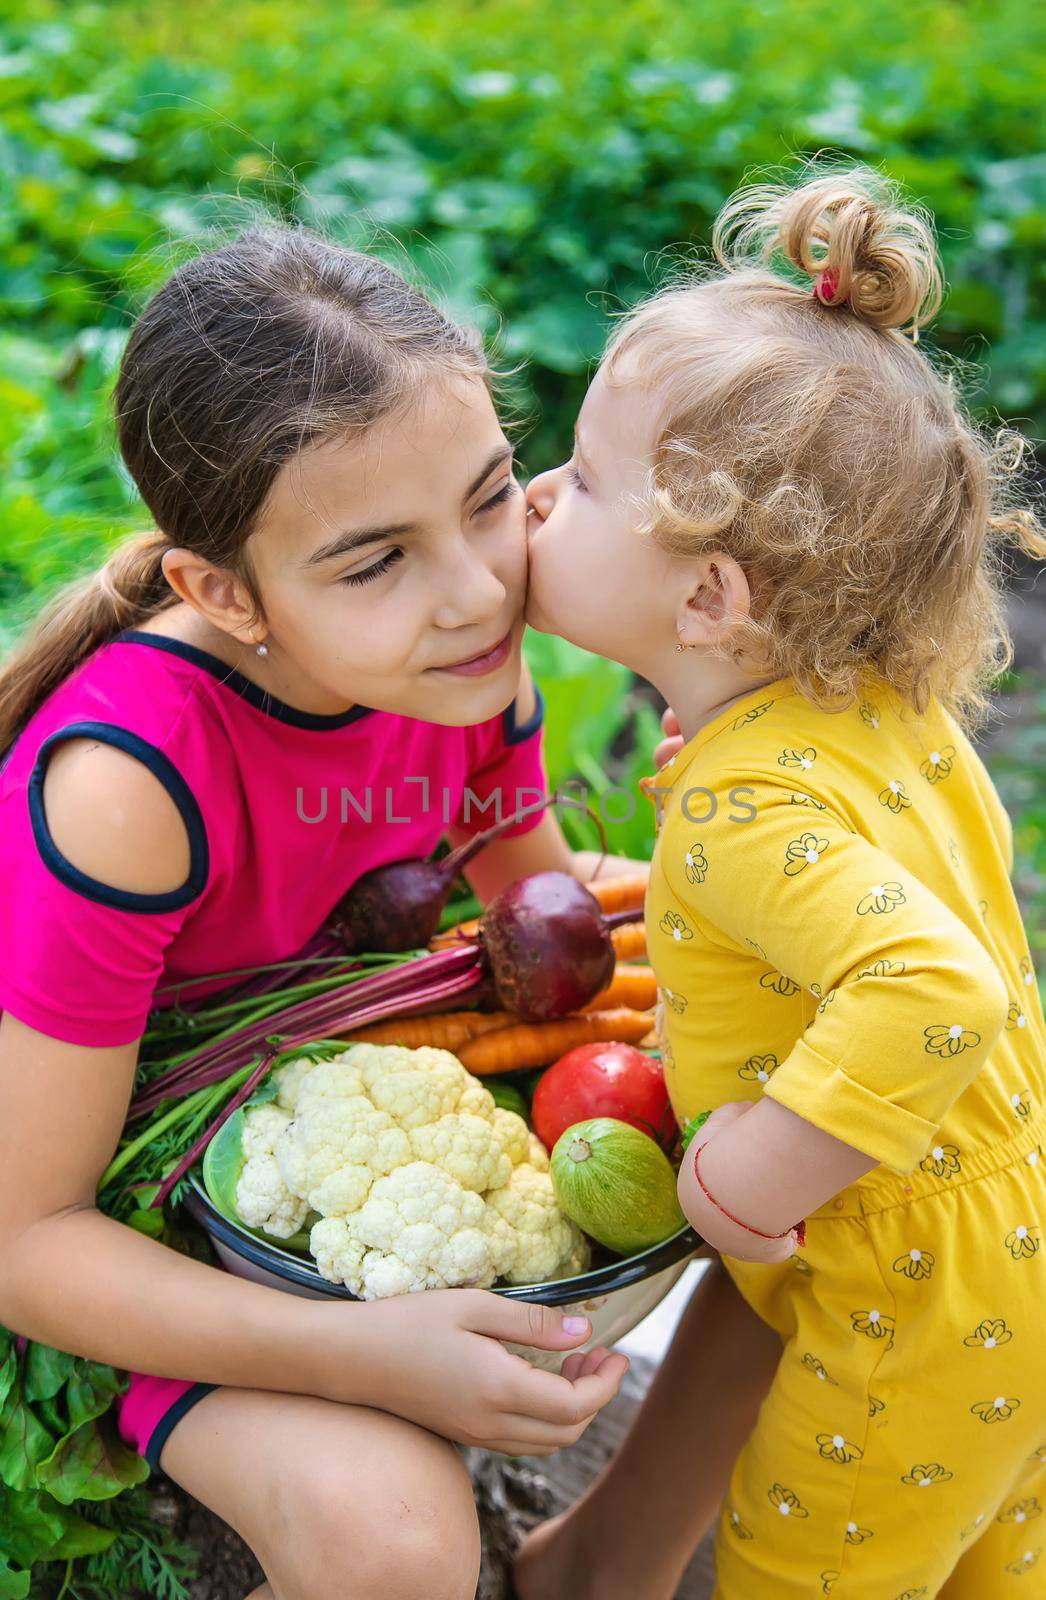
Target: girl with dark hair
point(333, 595)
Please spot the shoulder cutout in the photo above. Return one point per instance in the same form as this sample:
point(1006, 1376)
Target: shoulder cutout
point(114, 820)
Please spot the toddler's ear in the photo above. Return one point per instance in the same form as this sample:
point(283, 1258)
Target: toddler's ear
point(717, 601)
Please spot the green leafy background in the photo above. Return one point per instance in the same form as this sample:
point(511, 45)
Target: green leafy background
point(538, 165)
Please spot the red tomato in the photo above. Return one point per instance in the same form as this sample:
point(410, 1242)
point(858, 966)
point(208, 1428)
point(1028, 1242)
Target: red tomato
point(603, 1080)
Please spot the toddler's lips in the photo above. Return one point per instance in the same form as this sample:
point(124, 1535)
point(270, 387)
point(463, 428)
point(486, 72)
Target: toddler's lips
point(488, 661)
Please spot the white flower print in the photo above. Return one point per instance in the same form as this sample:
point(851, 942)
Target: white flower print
point(734, 1522)
point(875, 1405)
point(826, 1000)
point(943, 1161)
point(695, 864)
point(677, 1002)
point(974, 1525)
point(757, 948)
point(868, 713)
point(778, 983)
point(949, 1039)
point(815, 1365)
point(1015, 1017)
point(1033, 1157)
point(913, 1594)
point(1019, 1104)
point(804, 852)
point(1024, 1563)
point(953, 852)
point(881, 897)
point(751, 715)
point(675, 926)
point(828, 1580)
point(883, 969)
point(798, 758)
point(1000, 1409)
point(833, 1447)
point(915, 1264)
point(1021, 1511)
point(758, 1069)
point(786, 1502)
point(938, 764)
point(855, 1534)
point(894, 797)
point(802, 1266)
point(876, 1324)
point(925, 1476)
point(988, 1334)
point(800, 799)
point(1027, 973)
point(1022, 1243)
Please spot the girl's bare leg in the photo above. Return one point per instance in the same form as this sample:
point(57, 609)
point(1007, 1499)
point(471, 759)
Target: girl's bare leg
point(334, 1500)
point(636, 1527)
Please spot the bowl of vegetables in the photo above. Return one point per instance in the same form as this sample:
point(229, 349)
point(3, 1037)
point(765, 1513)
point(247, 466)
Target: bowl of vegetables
point(338, 1128)
point(379, 1170)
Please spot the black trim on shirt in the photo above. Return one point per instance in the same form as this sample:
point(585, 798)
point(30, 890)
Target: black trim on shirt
point(515, 734)
point(162, 768)
point(165, 1427)
point(255, 696)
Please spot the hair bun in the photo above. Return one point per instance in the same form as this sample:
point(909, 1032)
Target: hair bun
point(851, 224)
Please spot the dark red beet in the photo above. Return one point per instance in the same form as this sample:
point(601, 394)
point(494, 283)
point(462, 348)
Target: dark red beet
point(547, 945)
point(395, 907)
point(399, 906)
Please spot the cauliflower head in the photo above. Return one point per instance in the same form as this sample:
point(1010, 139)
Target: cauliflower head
point(263, 1199)
point(420, 1180)
point(548, 1244)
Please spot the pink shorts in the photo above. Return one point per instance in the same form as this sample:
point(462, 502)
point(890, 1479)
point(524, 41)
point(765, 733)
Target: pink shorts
point(149, 1410)
point(147, 1413)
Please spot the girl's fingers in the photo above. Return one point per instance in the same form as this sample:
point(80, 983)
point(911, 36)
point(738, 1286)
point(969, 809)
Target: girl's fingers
point(571, 1367)
point(670, 723)
point(551, 1398)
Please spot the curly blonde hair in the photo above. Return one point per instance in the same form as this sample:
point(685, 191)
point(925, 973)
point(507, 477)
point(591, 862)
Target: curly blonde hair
point(809, 437)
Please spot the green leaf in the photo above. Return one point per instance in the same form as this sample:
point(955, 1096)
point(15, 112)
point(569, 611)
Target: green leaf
point(24, 1443)
point(13, 1585)
point(30, 1525)
point(91, 1391)
point(8, 1372)
point(151, 1223)
point(223, 1163)
point(45, 1371)
point(91, 1464)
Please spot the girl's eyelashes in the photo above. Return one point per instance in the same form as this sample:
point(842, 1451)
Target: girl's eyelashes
point(575, 477)
point(499, 499)
point(390, 559)
point(370, 573)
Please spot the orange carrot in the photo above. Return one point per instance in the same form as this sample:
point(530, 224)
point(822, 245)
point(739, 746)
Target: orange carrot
point(535, 1044)
point(443, 1030)
point(634, 986)
point(619, 894)
point(629, 941)
point(455, 935)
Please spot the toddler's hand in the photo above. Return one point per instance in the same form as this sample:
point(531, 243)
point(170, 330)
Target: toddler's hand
point(672, 743)
point(729, 1238)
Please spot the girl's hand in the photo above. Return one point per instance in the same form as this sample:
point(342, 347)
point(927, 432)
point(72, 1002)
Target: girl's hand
point(672, 743)
point(438, 1359)
point(716, 1229)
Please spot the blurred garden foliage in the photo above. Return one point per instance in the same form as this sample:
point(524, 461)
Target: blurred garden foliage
point(539, 165)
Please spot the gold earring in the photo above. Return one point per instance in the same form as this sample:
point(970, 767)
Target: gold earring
point(681, 646)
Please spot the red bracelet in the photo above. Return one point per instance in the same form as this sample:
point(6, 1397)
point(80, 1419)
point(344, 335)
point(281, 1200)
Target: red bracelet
point(799, 1228)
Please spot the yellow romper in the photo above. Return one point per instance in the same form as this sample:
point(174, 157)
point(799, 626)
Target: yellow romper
point(832, 924)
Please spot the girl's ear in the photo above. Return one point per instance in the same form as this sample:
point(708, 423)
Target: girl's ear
point(213, 592)
point(715, 602)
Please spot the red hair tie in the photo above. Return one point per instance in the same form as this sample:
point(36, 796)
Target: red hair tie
point(827, 287)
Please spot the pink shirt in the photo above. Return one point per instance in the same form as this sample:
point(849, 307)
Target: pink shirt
point(283, 810)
